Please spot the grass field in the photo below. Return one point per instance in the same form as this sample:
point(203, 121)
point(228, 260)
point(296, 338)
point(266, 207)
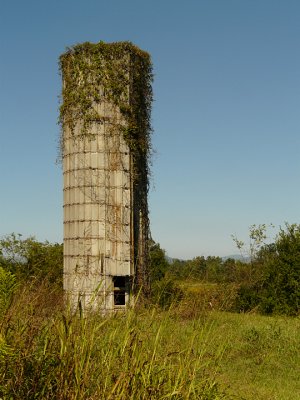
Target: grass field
point(262, 355)
point(183, 353)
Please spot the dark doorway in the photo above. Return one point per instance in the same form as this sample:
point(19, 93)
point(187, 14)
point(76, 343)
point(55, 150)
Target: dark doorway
point(120, 290)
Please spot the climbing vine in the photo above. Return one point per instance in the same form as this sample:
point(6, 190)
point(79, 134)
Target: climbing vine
point(118, 75)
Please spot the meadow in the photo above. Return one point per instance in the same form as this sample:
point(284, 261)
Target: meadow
point(211, 330)
point(186, 351)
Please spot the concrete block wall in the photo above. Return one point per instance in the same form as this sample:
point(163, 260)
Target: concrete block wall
point(97, 216)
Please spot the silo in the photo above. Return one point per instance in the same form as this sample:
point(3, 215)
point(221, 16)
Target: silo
point(105, 142)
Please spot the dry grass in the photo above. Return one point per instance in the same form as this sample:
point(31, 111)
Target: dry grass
point(187, 352)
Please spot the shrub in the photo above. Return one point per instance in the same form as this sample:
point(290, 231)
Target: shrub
point(280, 292)
point(28, 258)
point(274, 284)
point(8, 285)
point(166, 292)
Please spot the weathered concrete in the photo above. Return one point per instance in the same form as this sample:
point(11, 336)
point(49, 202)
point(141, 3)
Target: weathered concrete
point(97, 216)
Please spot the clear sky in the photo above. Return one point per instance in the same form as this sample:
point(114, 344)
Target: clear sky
point(226, 113)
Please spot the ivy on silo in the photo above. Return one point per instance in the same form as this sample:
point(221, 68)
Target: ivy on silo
point(124, 74)
point(118, 74)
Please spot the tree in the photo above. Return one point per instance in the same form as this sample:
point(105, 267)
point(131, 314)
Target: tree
point(274, 283)
point(280, 291)
point(28, 258)
point(165, 291)
point(158, 262)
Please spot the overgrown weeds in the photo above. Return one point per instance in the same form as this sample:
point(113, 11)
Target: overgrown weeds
point(186, 349)
point(46, 352)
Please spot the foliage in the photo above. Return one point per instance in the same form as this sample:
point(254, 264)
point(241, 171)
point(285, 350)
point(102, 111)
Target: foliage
point(118, 73)
point(158, 263)
point(210, 269)
point(28, 258)
point(280, 291)
point(59, 355)
point(48, 353)
point(165, 291)
point(268, 283)
point(274, 286)
point(257, 239)
point(8, 285)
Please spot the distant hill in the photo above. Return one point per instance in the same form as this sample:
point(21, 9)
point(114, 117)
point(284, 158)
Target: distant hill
point(237, 257)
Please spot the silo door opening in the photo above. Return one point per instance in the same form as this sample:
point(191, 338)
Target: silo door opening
point(120, 284)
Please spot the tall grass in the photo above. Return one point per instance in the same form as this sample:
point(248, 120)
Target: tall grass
point(50, 353)
point(188, 351)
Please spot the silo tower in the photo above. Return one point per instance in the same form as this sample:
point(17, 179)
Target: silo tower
point(105, 119)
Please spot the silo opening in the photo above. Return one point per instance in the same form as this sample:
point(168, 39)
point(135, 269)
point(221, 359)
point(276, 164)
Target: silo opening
point(120, 290)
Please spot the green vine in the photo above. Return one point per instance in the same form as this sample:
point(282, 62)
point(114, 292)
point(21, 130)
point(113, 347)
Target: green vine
point(118, 74)
point(124, 74)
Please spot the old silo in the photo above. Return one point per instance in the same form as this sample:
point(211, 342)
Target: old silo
point(105, 119)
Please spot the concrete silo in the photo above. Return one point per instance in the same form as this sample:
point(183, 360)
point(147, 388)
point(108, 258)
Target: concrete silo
point(105, 119)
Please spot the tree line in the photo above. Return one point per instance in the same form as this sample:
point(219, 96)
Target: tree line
point(268, 282)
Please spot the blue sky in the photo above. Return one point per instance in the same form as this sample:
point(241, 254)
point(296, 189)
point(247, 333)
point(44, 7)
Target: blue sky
point(225, 117)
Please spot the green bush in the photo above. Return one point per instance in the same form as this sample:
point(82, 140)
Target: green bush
point(166, 292)
point(280, 291)
point(158, 263)
point(8, 285)
point(247, 298)
point(273, 286)
point(28, 258)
